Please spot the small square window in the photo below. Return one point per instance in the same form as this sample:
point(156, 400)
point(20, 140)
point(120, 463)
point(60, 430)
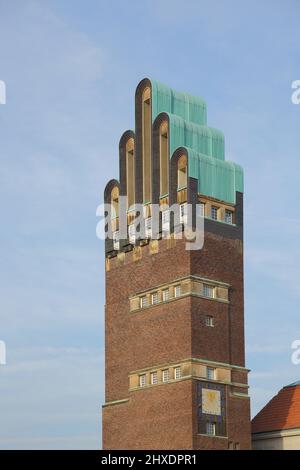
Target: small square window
point(142, 380)
point(208, 291)
point(210, 373)
point(165, 375)
point(144, 301)
point(154, 380)
point(165, 295)
point(214, 212)
point(228, 216)
point(177, 291)
point(177, 373)
point(154, 298)
point(209, 320)
point(211, 429)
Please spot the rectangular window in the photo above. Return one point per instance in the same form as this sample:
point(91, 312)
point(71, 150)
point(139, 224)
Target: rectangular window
point(177, 291)
point(131, 233)
point(116, 241)
point(154, 380)
point(202, 209)
point(165, 218)
point(177, 373)
point(208, 291)
point(142, 380)
point(148, 227)
point(165, 375)
point(183, 213)
point(230, 445)
point(209, 320)
point(211, 429)
point(237, 446)
point(154, 298)
point(210, 373)
point(144, 301)
point(214, 213)
point(165, 295)
point(228, 216)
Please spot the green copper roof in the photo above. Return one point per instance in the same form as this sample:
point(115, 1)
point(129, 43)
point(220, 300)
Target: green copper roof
point(165, 99)
point(200, 138)
point(217, 177)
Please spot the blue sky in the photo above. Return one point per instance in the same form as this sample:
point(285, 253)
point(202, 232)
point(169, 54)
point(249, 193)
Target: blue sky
point(71, 68)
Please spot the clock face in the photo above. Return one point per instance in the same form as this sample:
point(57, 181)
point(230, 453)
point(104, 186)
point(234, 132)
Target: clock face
point(211, 401)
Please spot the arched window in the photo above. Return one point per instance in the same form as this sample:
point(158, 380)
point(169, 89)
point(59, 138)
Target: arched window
point(164, 158)
point(146, 143)
point(130, 182)
point(182, 172)
point(115, 202)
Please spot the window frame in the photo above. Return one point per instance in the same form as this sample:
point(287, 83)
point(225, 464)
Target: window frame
point(142, 380)
point(165, 224)
point(209, 288)
point(212, 426)
point(212, 209)
point(165, 375)
point(211, 373)
point(183, 213)
point(176, 288)
point(227, 211)
point(177, 375)
point(209, 321)
point(142, 305)
point(148, 230)
point(152, 375)
point(116, 239)
point(131, 234)
point(202, 212)
point(152, 298)
point(163, 292)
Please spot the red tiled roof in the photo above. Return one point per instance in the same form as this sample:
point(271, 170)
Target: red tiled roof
point(282, 412)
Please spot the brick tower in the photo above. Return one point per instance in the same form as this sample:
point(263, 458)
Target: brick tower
point(174, 318)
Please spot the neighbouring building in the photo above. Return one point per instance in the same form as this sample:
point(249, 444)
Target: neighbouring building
point(174, 318)
point(277, 425)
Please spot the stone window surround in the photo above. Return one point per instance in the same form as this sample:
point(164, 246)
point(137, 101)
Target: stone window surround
point(220, 205)
point(189, 286)
point(182, 199)
point(190, 369)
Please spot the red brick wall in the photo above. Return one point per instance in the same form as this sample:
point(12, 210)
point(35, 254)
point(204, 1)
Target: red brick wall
point(164, 416)
point(157, 418)
point(221, 259)
point(156, 335)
